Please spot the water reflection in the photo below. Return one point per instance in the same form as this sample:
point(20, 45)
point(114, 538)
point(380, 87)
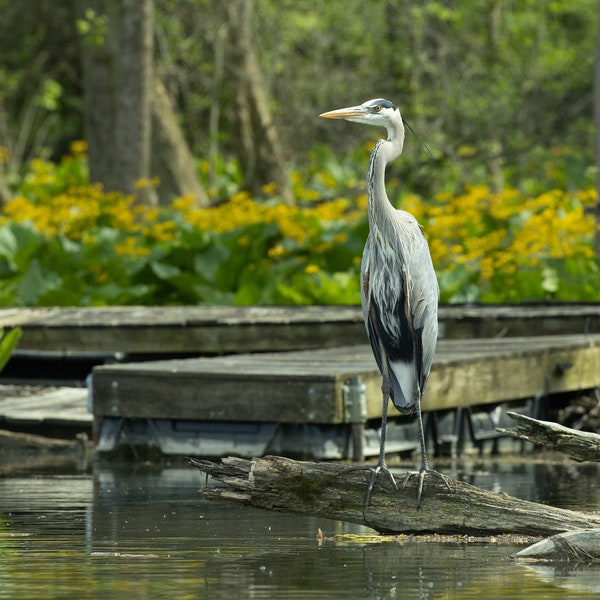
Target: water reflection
point(145, 533)
point(558, 482)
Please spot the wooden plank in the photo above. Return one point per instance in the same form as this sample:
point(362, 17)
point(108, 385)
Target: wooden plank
point(203, 330)
point(220, 396)
point(58, 407)
point(520, 320)
point(227, 329)
point(306, 386)
point(547, 364)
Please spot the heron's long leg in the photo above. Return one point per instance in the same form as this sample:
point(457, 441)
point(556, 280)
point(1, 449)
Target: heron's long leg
point(424, 462)
point(384, 411)
point(381, 466)
point(425, 469)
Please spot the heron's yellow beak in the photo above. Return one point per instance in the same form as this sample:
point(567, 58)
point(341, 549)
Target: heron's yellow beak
point(352, 112)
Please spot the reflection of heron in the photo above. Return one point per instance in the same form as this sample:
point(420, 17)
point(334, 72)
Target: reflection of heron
point(399, 289)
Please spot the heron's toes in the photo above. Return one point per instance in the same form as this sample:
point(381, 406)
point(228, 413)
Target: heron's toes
point(421, 473)
point(378, 468)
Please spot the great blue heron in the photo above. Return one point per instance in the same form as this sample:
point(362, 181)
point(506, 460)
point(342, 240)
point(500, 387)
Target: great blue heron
point(399, 289)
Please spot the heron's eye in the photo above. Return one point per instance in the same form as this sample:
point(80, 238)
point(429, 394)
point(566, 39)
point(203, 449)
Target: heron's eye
point(377, 108)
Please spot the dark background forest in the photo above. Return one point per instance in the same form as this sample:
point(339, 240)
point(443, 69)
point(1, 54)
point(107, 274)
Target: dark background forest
point(484, 83)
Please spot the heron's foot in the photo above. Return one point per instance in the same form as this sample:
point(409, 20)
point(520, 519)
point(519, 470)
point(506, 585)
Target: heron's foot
point(421, 473)
point(378, 468)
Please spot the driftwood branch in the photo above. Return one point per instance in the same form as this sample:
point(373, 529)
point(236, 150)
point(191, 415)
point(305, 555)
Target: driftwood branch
point(581, 546)
point(21, 452)
point(334, 491)
point(578, 445)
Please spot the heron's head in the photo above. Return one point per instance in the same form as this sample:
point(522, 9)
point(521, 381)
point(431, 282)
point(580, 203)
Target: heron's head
point(377, 112)
point(372, 112)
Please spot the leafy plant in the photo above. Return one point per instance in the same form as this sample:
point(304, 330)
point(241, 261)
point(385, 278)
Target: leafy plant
point(8, 342)
point(66, 242)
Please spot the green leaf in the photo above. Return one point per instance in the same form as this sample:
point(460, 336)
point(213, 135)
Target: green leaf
point(207, 262)
point(164, 271)
point(18, 243)
point(36, 283)
point(8, 342)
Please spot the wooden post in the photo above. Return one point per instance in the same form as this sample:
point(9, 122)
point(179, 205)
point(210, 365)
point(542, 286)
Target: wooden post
point(355, 407)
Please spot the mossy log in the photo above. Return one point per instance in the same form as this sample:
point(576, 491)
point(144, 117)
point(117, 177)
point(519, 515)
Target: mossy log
point(24, 451)
point(578, 445)
point(335, 491)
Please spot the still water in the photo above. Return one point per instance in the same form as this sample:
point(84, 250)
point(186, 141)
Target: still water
point(146, 533)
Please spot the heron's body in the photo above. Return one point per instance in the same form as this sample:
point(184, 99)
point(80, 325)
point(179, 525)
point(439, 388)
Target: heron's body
point(399, 288)
point(399, 295)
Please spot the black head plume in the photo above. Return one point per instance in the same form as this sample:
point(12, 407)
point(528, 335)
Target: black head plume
point(421, 142)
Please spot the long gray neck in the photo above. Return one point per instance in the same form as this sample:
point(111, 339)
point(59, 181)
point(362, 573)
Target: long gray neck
point(385, 151)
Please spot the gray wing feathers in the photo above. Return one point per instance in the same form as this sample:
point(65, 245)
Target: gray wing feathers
point(400, 296)
point(424, 302)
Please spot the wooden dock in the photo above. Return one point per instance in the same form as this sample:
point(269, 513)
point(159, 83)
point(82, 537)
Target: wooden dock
point(209, 330)
point(291, 366)
point(314, 387)
point(45, 408)
point(308, 386)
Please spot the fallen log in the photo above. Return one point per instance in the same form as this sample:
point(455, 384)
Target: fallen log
point(334, 491)
point(578, 445)
point(21, 452)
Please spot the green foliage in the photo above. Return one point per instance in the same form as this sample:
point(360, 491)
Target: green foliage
point(92, 28)
point(8, 342)
point(65, 242)
point(502, 94)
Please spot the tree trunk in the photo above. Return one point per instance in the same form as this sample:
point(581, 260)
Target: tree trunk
point(172, 160)
point(117, 57)
point(578, 445)
point(334, 491)
point(260, 150)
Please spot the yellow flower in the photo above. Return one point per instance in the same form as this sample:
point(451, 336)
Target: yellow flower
point(269, 189)
point(146, 182)
point(99, 272)
point(163, 231)
point(184, 204)
point(129, 247)
point(277, 251)
point(78, 148)
point(310, 269)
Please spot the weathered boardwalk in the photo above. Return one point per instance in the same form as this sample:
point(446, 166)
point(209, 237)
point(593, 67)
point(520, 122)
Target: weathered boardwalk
point(179, 330)
point(308, 386)
point(292, 365)
point(44, 408)
point(304, 401)
point(209, 330)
